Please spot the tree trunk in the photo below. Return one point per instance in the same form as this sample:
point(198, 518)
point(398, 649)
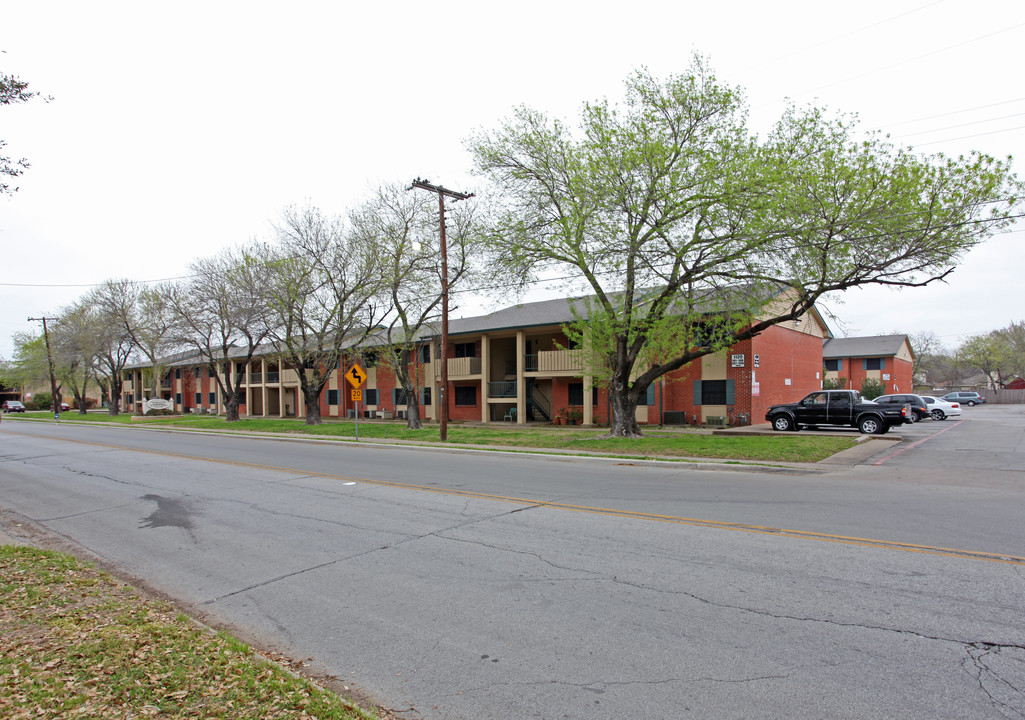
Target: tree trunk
point(312, 397)
point(231, 408)
point(624, 412)
point(413, 421)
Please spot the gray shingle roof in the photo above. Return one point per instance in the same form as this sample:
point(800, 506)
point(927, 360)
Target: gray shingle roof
point(870, 346)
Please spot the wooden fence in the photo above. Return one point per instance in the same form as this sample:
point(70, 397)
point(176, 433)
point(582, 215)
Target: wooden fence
point(1004, 397)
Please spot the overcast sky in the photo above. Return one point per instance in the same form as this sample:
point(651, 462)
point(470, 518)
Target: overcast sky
point(177, 129)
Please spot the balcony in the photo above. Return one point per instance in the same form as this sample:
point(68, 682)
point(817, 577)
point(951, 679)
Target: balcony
point(555, 361)
point(503, 389)
point(273, 378)
point(255, 378)
point(463, 367)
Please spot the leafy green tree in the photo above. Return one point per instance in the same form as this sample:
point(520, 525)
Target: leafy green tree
point(692, 234)
point(76, 347)
point(990, 354)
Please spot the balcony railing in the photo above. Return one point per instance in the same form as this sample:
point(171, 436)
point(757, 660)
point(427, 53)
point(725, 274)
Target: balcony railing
point(558, 361)
point(504, 389)
point(255, 378)
point(272, 378)
point(463, 367)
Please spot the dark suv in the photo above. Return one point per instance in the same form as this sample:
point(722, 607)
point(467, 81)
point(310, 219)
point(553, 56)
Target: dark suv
point(965, 398)
point(919, 408)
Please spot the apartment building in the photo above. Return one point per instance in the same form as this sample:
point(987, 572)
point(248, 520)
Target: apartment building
point(516, 365)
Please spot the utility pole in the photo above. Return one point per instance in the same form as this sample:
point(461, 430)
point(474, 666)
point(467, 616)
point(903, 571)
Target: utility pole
point(49, 359)
point(443, 399)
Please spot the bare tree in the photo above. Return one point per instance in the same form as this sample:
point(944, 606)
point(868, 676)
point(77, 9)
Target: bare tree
point(12, 91)
point(404, 227)
point(221, 314)
point(115, 349)
point(321, 290)
point(146, 317)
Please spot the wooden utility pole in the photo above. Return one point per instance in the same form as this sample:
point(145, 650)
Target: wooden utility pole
point(49, 360)
point(443, 399)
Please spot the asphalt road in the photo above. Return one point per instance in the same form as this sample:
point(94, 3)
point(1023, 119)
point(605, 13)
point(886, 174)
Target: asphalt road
point(485, 585)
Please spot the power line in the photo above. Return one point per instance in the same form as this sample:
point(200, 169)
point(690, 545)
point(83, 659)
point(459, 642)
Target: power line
point(956, 112)
point(910, 60)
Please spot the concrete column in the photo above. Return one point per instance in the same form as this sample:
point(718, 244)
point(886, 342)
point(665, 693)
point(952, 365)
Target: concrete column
point(521, 380)
point(263, 385)
point(588, 408)
point(485, 377)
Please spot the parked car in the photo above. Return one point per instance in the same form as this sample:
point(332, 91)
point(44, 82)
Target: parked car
point(13, 406)
point(965, 398)
point(845, 408)
point(64, 407)
point(919, 408)
point(941, 409)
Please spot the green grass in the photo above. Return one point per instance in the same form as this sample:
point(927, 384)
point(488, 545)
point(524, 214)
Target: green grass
point(656, 443)
point(77, 643)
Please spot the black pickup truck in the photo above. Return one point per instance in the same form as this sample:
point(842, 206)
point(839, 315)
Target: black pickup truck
point(838, 407)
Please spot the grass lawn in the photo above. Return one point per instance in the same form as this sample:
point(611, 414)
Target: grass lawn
point(77, 643)
point(661, 444)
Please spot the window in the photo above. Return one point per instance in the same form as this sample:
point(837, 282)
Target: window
point(466, 350)
point(576, 394)
point(370, 396)
point(131, 399)
point(466, 395)
point(199, 398)
point(833, 364)
point(177, 398)
point(369, 358)
point(649, 396)
point(177, 373)
point(873, 363)
point(714, 392)
point(398, 396)
point(332, 397)
point(425, 395)
point(425, 353)
point(213, 398)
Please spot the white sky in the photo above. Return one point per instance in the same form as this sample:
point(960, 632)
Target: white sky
point(177, 129)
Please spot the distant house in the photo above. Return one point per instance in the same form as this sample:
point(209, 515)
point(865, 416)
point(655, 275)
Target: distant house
point(1017, 384)
point(886, 358)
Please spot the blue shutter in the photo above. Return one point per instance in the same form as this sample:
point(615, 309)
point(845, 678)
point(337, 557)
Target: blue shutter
point(697, 392)
point(730, 392)
point(650, 399)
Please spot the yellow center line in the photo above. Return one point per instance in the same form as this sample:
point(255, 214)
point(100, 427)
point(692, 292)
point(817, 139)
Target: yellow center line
point(609, 512)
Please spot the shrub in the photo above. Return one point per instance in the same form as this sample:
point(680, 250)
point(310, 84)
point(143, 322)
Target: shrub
point(871, 389)
point(40, 401)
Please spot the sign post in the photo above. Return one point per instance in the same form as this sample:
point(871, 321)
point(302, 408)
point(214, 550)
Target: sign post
point(356, 376)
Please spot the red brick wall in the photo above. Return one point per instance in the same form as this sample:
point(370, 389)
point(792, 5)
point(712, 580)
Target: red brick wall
point(900, 372)
point(784, 353)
